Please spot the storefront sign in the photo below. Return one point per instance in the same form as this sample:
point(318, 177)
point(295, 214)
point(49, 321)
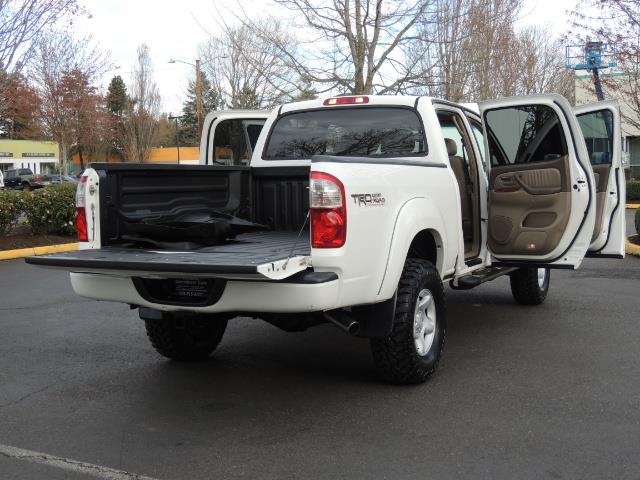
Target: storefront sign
point(37, 154)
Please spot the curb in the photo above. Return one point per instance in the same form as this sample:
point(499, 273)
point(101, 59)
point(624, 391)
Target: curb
point(632, 249)
point(632, 206)
point(26, 252)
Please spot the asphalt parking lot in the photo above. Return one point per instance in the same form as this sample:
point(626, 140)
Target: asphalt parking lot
point(522, 392)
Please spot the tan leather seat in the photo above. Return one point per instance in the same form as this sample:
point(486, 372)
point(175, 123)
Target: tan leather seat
point(460, 169)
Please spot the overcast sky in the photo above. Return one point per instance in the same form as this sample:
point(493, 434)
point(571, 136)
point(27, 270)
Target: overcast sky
point(173, 29)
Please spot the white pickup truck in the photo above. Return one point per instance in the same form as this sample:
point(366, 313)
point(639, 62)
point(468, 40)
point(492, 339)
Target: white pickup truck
point(353, 211)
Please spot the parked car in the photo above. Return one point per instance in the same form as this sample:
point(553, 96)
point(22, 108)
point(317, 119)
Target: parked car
point(370, 203)
point(57, 179)
point(22, 179)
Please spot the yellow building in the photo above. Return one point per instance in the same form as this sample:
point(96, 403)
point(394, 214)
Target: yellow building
point(40, 157)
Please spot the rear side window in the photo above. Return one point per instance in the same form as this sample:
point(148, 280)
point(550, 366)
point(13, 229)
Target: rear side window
point(524, 134)
point(597, 129)
point(363, 132)
point(25, 171)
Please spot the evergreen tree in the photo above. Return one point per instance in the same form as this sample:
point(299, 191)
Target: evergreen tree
point(117, 100)
point(211, 100)
point(117, 96)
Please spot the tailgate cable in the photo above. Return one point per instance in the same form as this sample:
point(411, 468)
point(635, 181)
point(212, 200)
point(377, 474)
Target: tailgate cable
point(306, 219)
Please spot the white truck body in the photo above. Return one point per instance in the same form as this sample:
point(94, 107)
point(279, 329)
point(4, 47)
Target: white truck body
point(529, 202)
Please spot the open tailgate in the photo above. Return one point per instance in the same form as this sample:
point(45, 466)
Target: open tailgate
point(276, 259)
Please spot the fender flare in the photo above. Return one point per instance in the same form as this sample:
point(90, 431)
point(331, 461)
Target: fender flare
point(416, 215)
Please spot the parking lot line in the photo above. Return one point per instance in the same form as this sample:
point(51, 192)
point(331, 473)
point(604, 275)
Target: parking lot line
point(97, 471)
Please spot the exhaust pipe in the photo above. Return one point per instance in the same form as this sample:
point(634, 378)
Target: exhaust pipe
point(342, 320)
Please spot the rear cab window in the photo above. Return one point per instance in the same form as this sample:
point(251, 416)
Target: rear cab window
point(374, 132)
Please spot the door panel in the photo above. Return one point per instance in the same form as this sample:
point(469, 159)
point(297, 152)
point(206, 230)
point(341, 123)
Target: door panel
point(541, 186)
point(600, 125)
point(529, 207)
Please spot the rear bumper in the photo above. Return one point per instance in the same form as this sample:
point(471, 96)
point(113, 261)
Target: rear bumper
point(317, 293)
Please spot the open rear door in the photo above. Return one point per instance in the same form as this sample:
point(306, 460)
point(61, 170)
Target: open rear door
point(600, 124)
point(541, 204)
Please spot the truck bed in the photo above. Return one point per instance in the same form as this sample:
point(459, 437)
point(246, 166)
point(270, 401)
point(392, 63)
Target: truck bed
point(258, 255)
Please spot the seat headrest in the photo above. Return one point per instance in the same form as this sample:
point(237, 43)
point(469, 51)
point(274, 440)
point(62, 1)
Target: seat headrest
point(452, 148)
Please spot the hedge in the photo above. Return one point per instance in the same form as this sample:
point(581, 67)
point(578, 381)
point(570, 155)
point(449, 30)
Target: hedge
point(47, 210)
point(51, 209)
point(633, 190)
point(12, 204)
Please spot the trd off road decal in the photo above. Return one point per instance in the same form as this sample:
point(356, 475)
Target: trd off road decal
point(368, 199)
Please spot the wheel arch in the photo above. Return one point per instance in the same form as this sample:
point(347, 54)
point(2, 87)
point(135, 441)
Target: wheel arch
point(420, 231)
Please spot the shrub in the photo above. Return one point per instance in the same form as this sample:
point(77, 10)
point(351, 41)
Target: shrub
point(11, 206)
point(633, 190)
point(51, 209)
point(638, 221)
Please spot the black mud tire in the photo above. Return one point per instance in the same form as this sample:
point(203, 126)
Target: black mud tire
point(186, 338)
point(526, 288)
point(396, 357)
point(26, 186)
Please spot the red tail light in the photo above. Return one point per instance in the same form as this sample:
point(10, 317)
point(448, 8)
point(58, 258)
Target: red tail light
point(81, 225)
point(81, 214)
point(328, 211)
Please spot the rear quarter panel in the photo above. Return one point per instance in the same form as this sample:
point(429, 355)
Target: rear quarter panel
point(379, 233)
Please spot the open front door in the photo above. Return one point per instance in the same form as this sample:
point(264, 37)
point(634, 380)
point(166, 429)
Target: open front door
point(600, 124)
point(541, 204)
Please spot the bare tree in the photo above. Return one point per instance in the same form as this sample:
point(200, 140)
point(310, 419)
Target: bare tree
point(249, 71)
point(352, 46)
point(540, 64)
point(58, 60)
point(470, 46)
point(141, 115)
point(22, 23)
point(477, 53)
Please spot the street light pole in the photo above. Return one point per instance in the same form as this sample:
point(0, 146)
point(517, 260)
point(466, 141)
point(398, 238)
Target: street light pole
point(170, 117)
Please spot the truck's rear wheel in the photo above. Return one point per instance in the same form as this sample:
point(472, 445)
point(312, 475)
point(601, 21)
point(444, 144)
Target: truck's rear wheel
point(529, 286)
point(410, 354)
point(186, 337)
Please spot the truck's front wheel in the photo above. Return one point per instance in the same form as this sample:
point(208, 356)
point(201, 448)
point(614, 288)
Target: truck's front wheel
point(186, 337)
point(529, 286)
point(410, 354)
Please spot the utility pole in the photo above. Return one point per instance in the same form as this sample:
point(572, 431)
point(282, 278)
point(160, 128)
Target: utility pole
point(199, 113)
point(199, 99)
